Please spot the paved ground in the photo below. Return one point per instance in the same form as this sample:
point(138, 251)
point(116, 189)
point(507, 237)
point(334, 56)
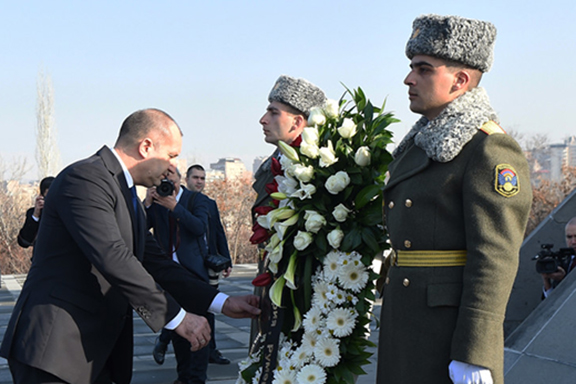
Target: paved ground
point(231, 336)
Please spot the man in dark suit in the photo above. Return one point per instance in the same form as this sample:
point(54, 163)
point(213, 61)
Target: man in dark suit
point(180, 221)
point(27, 234)
point(94, 262)
point(217, 244)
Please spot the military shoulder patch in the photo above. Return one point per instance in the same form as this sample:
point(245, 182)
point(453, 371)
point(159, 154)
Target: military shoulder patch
point(506, 180)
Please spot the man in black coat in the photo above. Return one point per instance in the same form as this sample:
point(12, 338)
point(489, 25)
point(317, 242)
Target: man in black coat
point(27, 234)
point(94, 262)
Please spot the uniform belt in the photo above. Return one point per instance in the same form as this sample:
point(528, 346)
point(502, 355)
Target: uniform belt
point(453, 258)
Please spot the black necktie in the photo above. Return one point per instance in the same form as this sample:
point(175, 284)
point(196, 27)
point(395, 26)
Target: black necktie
point(135, 202)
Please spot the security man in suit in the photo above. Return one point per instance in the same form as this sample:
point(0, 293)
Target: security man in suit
point(217, 244)
point(94, 262)
point(456, 207)
point(27, 234)
point(180, 221)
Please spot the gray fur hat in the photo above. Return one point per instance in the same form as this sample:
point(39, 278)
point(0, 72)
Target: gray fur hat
point(466, 41)
point(297, 93)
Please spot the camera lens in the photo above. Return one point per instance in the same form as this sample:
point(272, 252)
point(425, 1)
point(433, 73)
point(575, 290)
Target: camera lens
point(166, 188)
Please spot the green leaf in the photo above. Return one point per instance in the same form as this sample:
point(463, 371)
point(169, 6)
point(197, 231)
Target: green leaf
point(352, 240)
point(366, 195)
point(370, 240)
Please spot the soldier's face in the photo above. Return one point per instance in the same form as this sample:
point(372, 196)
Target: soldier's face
point(197, 180)
point(430, 85)
point(279, 124)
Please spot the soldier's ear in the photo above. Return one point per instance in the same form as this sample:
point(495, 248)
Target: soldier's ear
point(461, 80)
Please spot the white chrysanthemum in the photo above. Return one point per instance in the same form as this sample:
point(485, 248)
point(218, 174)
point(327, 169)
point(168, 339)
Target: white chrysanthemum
point(319, 298)
point(335, 295)
point(256, 378)
point(309, 342)
point(350, 298)
point(284, 376)
point(352, 276)
point(312, 319)
point(286, 349)
point(341, 322)
point(300, 357)
point(331, 264)
point(311, 374)
point(346, 258)
point(327, 352)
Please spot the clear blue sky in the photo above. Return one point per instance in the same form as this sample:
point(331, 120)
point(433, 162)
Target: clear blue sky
point(211, 64)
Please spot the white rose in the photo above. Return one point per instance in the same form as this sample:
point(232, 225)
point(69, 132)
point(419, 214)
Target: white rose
point(286, 185)
point(363, 156)
point(327, 155)
point(336, 183)
point(340, 213)
point(335, 238)
point(302, 240)
point(310, 135)
point(314, 221)
point(310, 150)
point(316, 117)
point(305, 192)
point(302, 173)
point(331, 108)
point(348, 128)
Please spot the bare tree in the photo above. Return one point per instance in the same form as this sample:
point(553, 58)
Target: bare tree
point(15, 199)
point(47, 154)
point(234, 198)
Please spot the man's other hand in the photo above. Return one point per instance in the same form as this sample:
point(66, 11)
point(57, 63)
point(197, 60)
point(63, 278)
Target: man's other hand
point(195, 329)
point(241, 306)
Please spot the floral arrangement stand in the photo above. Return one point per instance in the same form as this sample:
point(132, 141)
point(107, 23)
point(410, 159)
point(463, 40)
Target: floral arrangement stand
point(323, 230)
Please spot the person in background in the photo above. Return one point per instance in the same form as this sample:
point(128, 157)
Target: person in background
point(217, 243)
point(551, 280)
point(28, 232)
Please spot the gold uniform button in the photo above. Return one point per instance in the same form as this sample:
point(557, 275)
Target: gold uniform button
point(407, 243)
point(406, 282)
point(408, 203)
point(391, 205)
point(387, 280)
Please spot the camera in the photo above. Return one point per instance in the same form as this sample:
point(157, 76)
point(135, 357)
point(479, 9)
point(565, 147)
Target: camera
point(166, 188)
point(548, 261)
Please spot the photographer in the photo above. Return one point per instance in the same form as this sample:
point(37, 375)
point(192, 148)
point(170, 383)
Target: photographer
point(27, 234)
point(180, 219)
point(551, 280)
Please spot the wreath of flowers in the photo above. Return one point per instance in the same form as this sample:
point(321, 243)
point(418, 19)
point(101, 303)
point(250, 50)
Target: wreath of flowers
point(323, 230)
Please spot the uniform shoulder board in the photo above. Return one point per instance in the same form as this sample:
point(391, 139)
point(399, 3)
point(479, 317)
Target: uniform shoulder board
point(491, 128)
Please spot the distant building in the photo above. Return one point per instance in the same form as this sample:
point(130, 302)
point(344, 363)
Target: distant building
point(230, 167)
point(547, 162)
point(257, 163)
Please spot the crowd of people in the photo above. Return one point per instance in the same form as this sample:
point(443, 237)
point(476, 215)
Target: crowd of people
point(456, 206)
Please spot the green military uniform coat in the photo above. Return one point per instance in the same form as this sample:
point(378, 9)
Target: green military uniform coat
point(432, 315)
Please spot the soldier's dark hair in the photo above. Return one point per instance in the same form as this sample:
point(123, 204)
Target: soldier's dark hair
point(195, 166)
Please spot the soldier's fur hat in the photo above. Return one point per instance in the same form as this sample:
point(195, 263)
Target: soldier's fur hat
point(297, 93)
point(454, 38)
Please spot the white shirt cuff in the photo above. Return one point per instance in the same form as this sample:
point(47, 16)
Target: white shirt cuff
point(36, 219)
point(218, 303)
point(215, 308)
point(546, 292)
point(175, 322)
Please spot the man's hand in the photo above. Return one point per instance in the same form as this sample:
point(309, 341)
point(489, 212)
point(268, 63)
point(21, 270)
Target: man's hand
point(557, 276)
point(195, 329)
point(165, 201)
point(226, 272)
point(241, 306)
point(38, 206)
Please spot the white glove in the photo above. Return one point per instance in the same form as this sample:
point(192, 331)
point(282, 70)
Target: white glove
point(463, 373)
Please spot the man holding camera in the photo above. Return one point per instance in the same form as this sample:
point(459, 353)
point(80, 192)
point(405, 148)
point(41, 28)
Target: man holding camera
point(179, 218)
point(551, 280)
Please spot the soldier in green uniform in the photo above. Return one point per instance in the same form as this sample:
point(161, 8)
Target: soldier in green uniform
point(456, 207)
point(290, 102)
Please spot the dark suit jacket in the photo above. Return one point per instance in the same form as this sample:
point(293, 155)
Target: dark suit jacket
point(217, 242)
point(28, 232)
point(92, 264)
point(191, 215)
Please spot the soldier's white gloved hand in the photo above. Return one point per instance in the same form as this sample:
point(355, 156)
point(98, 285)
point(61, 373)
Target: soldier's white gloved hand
point(463, 373)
